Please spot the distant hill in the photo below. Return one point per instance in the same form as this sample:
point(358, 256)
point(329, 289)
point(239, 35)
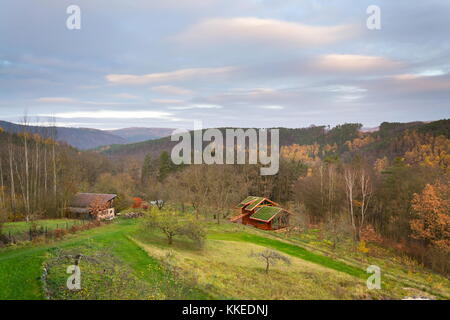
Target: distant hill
point(80, 138)
point(85, 138)
point(141, 134)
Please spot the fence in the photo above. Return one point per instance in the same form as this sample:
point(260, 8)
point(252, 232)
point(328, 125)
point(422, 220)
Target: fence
point(48, 232)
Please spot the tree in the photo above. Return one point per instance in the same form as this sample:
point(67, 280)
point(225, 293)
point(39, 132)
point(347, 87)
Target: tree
point(166, 166)
point(137, 203)
point(270, 258)
point(172, 224)
point(432, 222)
point(358, 188)
point(350, 182)
point(147, 170)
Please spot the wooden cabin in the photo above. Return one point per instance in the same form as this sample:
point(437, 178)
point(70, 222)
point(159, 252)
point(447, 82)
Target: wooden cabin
point(97, 206)
point(262, 213)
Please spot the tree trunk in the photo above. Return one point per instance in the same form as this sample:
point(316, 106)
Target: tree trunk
point(27, 177)
point(13, 190)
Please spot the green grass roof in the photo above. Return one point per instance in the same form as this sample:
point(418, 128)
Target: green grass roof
point(266, 213)
point(254, 203)
point(249, 199)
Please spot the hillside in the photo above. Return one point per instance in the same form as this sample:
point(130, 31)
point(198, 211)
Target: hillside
point(385, 141)
point(141, 265)
point(80, 138)
point(133, 135)
point(86, 138)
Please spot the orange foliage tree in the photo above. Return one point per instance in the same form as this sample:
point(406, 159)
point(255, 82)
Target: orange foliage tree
point(432, 209)
point(137, 203)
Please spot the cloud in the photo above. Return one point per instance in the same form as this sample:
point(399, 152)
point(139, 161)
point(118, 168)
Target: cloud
point(273, 107)
point(166, 101)
point(125, 96)
point(266, 31)
point(419, 82)
point(354, 63)
point(62, 100)
point(55, 100)
point(197, 106)
point(172, 90)
point(182, 74)
point(112, 114)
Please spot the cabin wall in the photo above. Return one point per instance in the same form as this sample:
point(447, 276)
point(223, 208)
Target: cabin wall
point(257, 224)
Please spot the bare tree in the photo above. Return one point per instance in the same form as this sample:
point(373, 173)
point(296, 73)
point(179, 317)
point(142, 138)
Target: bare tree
point(350, 181)
point(270, 258)
point(26, 182)
point(366, 195)
point(12, 184)
point(359, 193)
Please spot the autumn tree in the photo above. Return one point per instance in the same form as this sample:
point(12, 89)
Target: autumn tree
point(432, 216)
point(137, 203)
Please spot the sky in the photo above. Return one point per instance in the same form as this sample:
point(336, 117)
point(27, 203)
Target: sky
point(240, 63)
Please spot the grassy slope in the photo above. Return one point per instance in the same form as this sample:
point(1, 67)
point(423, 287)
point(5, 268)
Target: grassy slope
point(21, 268)
point(292, 250)
point(312, 274)
point(244, 277)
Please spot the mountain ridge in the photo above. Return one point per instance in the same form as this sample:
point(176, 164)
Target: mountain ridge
point(88, 138)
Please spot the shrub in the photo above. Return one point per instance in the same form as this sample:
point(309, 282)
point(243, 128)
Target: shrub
point(137, 203)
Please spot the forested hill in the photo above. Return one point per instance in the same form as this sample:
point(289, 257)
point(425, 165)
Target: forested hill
point(81, 138)
point(86, 138)
point(391, 140)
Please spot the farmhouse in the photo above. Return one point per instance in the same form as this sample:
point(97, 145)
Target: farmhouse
point(262, 213)
point(92, 206)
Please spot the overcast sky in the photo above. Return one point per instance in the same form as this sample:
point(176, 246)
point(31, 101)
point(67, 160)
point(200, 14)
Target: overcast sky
point(249, 63)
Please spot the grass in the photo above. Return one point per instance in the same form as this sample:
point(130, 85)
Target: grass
point(21, 267)
point(223, 269)
point(291, 250)
point(19, 275)
point(213, 270)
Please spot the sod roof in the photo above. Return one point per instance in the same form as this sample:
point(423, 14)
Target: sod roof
point(254, 203)
point(247, 201)
point(266, 213)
